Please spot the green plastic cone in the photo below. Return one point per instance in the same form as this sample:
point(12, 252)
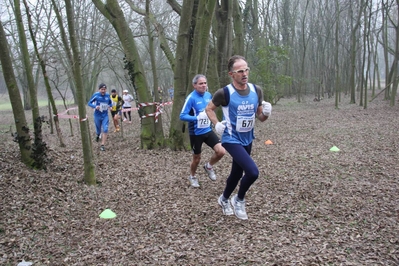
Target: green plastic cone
point(107, 214)
point(334, 148)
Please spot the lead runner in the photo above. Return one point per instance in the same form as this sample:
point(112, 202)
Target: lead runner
point(241, 102)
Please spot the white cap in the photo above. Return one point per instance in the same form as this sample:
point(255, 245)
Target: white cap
point(125, 91)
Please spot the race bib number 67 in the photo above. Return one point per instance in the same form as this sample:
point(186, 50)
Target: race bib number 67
point(245, 123)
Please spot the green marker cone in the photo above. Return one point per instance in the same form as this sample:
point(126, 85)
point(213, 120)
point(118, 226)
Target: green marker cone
point(107, 214)
point(334, 148)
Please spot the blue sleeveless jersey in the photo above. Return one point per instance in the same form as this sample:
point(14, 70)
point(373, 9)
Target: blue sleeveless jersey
point(240, 116)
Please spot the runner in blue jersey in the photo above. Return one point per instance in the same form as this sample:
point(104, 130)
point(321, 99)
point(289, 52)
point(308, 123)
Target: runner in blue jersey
point(241, 102)
point(199, 128)
point(101, 103)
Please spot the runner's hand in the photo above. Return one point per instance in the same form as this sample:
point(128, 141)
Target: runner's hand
point(220, 126)
point(202, 115)
point(266, 108)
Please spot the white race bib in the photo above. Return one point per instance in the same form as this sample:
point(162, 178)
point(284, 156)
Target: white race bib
point(203, 122)
point(245, 123)
point(103, 107)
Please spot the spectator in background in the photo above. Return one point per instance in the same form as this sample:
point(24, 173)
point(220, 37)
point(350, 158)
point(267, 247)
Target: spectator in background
point(101, 102)
point(171, 92)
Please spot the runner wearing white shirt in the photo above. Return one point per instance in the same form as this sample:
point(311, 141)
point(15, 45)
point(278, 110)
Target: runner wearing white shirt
point(127, 98)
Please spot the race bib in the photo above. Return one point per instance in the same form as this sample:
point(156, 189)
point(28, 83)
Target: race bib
point(103, 107)
point(203, 122)
point(245, 123)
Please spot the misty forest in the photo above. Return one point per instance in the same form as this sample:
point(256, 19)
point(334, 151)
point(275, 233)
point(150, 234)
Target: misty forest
point(328, 185)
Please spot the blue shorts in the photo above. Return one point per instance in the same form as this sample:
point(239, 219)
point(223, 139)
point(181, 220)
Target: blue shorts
point(101, 121)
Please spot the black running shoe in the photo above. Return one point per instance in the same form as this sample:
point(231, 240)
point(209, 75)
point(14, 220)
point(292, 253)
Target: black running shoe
point(97, 138)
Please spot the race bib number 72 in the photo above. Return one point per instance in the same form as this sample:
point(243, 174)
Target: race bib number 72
point(203, 123)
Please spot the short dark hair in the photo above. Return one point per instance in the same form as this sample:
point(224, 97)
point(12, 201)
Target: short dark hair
point(232, 60)
point(102, 85)
point(113, 90)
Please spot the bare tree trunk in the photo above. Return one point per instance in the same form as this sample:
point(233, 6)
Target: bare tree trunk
point(304, 44)
point(287, 34)
point(385, 43)
point(336, 57)
point(200, 43)
point(395, 69)
point(159, 136)
point(376, 78)
point(362, 64)
point(46, 81)
point(39, 146)
point(89, 170)
point(22, 135)
point(354, 27)
point(369, 51)
point(238, 41)
point(224, 38)
point(183, 56)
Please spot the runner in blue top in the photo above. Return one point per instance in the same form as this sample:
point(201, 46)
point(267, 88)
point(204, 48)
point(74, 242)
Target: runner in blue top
point(241, 102)
point(101, 103)
point(200, 130)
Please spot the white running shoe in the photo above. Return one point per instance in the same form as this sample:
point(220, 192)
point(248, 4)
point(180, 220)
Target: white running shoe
point(226, 207)
point(193, 181)
point(239, 208)
point(210, 172)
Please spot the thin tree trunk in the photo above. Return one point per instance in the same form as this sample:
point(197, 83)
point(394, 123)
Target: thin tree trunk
point(305, 45)
point(363, 61)
point(354, 40)
point(39, 146)
point(336, 57)
point(159, 136)
point(369, 51)
point(46, 81)
point(22, 135)
point(88, 162)
point(385, 46)
point(181, 79)
point(395, 69)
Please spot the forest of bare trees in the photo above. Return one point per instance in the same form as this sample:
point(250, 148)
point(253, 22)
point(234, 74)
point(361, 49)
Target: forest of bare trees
point(62, 49)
